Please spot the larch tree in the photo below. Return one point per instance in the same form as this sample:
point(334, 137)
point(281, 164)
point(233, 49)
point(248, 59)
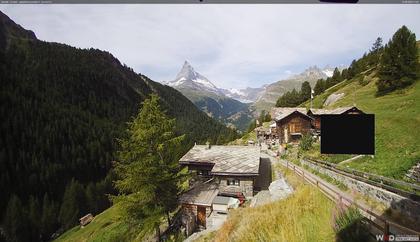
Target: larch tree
point(149, 176)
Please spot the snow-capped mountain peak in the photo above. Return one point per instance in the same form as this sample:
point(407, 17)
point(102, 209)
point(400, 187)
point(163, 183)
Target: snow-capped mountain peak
point(328, 73)
point(188, 77)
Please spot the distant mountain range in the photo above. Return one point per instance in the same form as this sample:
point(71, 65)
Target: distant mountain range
point(238, 106)
point(272, 92)
point(216, 102)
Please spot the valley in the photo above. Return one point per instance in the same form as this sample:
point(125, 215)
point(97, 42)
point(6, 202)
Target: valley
point(92, 150)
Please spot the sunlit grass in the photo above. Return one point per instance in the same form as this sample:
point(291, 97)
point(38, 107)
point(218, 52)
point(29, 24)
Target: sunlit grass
point(304, 216)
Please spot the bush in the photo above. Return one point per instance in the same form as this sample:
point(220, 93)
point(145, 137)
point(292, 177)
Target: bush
point(348, 224)
point(306, 142)
point(363, 80)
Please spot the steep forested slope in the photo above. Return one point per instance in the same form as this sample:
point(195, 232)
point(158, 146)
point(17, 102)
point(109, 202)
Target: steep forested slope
point(62, 110)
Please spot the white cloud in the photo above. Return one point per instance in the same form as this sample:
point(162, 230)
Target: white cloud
point(233, 45)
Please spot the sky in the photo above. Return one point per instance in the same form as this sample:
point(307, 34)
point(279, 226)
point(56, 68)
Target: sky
point(234, 46)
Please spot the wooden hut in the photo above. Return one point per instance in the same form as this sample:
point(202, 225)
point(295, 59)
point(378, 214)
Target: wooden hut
point(86, 219)
point(291, 124)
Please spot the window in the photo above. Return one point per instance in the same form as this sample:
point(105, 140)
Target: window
point(233, 182)
point(203, 172)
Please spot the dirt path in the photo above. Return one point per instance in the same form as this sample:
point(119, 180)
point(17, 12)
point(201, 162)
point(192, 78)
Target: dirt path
point(278, 189)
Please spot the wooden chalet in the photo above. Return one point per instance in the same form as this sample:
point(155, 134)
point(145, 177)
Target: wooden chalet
point(317, 113)
point(229, 170)
point(291, 124)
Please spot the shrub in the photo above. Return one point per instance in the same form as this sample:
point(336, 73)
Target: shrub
point(348, 224)
point(306, 142)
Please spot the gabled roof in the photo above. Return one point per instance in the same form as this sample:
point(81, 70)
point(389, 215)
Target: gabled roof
point(227, 160)
point(280, 113)
point(340, 110)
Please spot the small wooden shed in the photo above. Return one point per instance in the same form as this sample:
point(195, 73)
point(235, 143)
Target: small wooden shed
point(85, 220)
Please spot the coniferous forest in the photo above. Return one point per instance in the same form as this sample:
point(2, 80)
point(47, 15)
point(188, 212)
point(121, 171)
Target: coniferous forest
point(62, 111)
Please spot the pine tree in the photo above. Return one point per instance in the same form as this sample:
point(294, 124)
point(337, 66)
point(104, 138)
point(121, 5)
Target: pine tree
point(49, 218)
point(252, 125)
point(148, 170)
point(353, 70)
point(261, 117)
point(305, 92)
point(319, 86)
point(91, 198)
point(73, 204)
point(34, 216)
point(16, 224)
point(377, 46)
point(267, 117)
point(398, 65)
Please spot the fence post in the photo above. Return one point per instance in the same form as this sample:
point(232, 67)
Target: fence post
point(386, 229)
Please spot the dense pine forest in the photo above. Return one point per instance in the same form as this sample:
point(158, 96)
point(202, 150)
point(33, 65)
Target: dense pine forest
point(62, 111)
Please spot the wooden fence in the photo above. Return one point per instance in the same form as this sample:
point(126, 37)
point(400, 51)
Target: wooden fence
point(376, 220)
point(373, 179)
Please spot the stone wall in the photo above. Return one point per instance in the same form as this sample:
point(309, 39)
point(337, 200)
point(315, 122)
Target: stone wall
point(192, 209)
point(246, 186)
point(396, 202)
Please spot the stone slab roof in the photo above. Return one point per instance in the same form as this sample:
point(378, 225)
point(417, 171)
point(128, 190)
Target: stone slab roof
point(340, 110)
point(227, 160)
point(202, 194)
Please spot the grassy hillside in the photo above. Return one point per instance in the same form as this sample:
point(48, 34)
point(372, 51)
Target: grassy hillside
point(106, 226)
point(397, 116)
point(304, 216)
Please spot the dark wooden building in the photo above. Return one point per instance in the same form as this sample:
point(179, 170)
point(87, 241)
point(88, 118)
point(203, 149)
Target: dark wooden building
point(317, 113)
point(291, 124)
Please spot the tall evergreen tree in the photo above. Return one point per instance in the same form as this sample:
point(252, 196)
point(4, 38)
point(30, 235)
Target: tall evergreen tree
point(148, 170)
point(49, 219)
point(16, 223)
point(319, 86)
point(73, 206)
point(305, 91)
point(377, 46)
point(34, 217)
point(399, 65)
